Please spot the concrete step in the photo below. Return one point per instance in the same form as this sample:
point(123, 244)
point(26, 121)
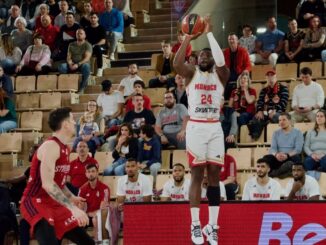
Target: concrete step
point(115, 79)
point(126, 62)
point(97, 89)
point(160, 24)
point(116, 71)
point(162, 11)
point(153, 38)
point(140, 46)
point(156, 31)
point(134, 55)
point(81, 107)
point(164, 17)
point(84, 98)
point(164, 4)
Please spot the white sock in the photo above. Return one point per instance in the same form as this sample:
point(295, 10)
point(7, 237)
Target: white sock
point(213, 214)
point(195, 215)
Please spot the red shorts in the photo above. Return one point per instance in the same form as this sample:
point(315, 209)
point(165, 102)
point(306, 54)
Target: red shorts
point(35, 209)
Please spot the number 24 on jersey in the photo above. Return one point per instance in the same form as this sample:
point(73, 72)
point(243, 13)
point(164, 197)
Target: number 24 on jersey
point(206, 99)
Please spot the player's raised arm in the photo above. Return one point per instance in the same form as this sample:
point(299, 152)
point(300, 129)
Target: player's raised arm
point(183, 69)
point(48, 154)
point(218, 56)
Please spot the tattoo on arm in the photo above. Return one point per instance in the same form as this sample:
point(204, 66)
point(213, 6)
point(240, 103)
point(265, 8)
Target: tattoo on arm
point(67, 192)
point(57, 194)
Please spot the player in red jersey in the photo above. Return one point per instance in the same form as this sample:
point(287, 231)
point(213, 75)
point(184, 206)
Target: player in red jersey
point(47, 204)
point(204, 134)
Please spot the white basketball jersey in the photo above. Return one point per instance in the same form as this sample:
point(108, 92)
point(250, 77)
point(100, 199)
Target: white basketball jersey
point(205, 92)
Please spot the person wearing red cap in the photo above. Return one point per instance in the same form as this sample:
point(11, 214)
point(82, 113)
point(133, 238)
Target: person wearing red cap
point(272, 101)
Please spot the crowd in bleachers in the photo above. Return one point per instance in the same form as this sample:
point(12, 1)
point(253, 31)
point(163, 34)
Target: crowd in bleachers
point(135, 133)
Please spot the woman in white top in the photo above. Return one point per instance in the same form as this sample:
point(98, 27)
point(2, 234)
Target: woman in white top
point(36, 59)
point(315, 144)
point(10, 56)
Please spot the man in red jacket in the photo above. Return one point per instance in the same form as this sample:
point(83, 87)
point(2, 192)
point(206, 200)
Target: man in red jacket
point(48, 31)
point(237, 60)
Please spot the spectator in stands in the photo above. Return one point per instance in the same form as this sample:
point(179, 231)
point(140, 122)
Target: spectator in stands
point(314, 41)
point(128, 18)
point(43, 10)
point(66, 36)
point(176, 189)
point(262, 187)
point(36, 59)
point(134, 186)
point(308, 97)
point(10, 56)
point(48, 31)
point(302, 186)
point(248, 39)
point(238, 62)
point(164, 69)
point(228, 176)
point(111, 103)
point(179, 92)
point(6, 83)
point(309, 9)
point(171, 123)
point(112, 21)
point(78, 58)
point(29, 11)
point(149, 152)
point(228, 118)
point(139, 87)
point(243, 100)
point(8, 117)
point(85, 20)
point(175, 48)
point(95, 34)
point(8, 25)
point(193, 59)
point(139, 115)
point(92, 107)
point(286, 147)
point(126, 147)
point(268, 45)
point(54, 8)
point(21, 36)
point(77, 173)
point(126, 86)
point(272, 101)
point(315, 144)
point(89, 132)
point(59, 20)
point(293, 43)
point(96, 195)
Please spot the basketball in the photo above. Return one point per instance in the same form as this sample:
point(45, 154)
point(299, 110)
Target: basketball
point(192, 24)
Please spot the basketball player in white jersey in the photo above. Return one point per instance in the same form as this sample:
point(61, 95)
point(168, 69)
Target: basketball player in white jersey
point(204, 135)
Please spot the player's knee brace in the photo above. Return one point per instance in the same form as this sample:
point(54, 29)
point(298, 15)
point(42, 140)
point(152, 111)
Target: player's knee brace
point(213, 195)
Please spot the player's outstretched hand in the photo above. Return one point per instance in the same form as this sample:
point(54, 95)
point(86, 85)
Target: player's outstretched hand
point(208, 24)
point(77, 201)
point(80, 216)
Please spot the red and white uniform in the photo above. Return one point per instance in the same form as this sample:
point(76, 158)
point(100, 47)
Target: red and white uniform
point(78, 170)
point(36, 204)
point(255, 192)
point(95, 196)
point(309, 189)
point(176, 193)
point(204, 134)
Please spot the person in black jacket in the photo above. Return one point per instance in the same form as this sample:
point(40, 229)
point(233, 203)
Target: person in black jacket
point(180, 93)
point(126, 147)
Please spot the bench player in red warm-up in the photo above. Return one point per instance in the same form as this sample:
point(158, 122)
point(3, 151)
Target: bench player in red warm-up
point(204, 135)
point(47, 205)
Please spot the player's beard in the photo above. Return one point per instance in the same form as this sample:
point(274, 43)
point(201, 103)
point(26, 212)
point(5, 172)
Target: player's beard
point(169, 105)
point(261, 174)
point(178, 179)
point(133, 73)
point(207, 67)
point(298, 178)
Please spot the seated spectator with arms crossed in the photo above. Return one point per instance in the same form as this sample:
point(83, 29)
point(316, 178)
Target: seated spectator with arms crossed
point(302, 186)
point(262, 187)
point(96, 194)
point(176, 189)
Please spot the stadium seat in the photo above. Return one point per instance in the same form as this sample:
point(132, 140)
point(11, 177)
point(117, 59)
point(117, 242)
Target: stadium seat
point(180, 156)
point(50, 100)
point(156, 95)
point(286, 71)
point(104, 159)
point(11, 142)
point(322, 184)
point(245, 138)
point(242, 178)
point(283, 183)
point(31, 120)
point(112, 183)
point(271, 127)
point(25, 83)
point(146, 75)
point(291, 87)
point(315, 66)
point(258, 87)
point(46, 82)
point(259, 152)
point(242, 157)
point(27, 101)
point(258, 71)
point(161, 180)
point(165, 155)
point(68, 82)
point(322, 82)
point(154, 60)
point(304, 127)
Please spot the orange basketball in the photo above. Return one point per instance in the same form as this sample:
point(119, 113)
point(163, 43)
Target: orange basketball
point(192, 24)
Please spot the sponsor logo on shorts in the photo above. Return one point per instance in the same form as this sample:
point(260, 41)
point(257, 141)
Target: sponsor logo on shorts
point(69, 220)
